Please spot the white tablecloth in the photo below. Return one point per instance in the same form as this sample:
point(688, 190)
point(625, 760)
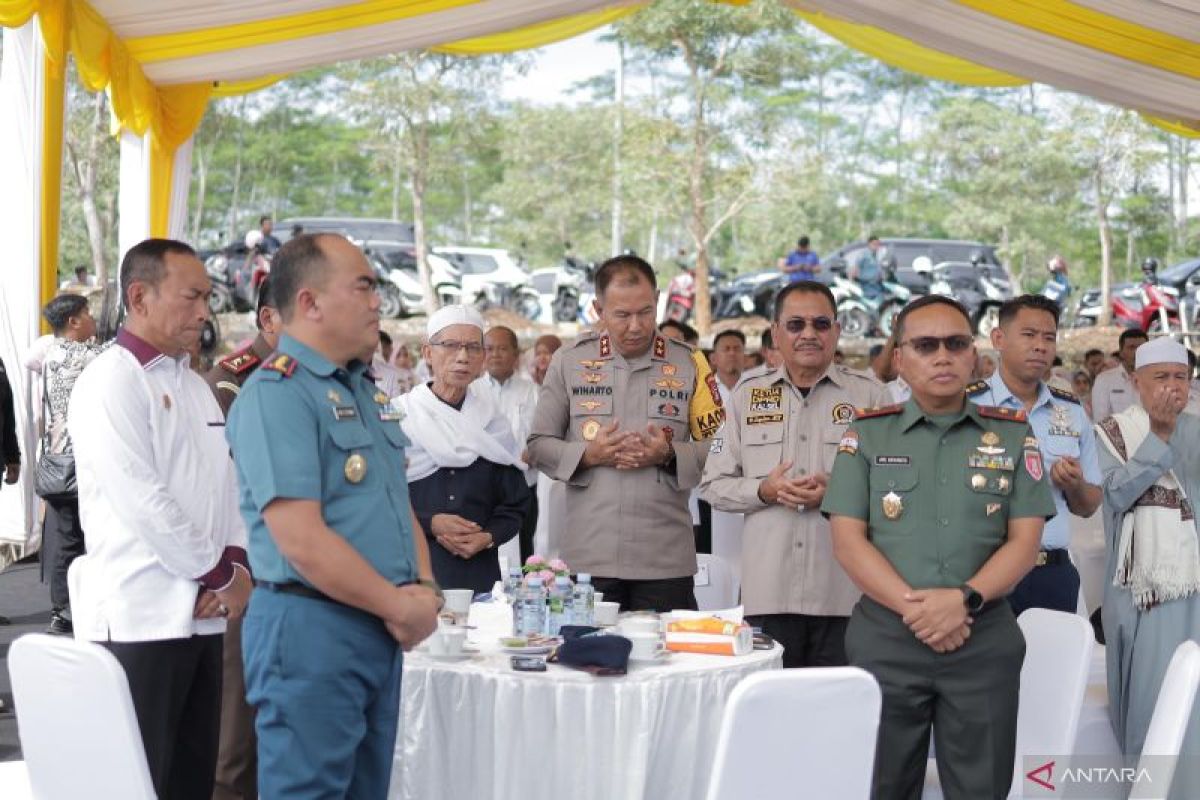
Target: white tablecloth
point(475, 729)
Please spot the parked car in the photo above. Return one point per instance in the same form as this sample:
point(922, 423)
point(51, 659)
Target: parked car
point(363, 229)
point(490, 277)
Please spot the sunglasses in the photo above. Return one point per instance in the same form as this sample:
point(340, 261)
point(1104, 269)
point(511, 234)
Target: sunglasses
point(928, 345)
point(798, 324)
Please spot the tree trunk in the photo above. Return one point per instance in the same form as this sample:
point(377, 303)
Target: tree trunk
point(618, 133)
point(697, 225)
point(420, 174)
point(201, 191)
point(1184, 167)
point(468, 211)
point(234, 210)
point(397, 157)
point(84, 168)
point(1105, 230)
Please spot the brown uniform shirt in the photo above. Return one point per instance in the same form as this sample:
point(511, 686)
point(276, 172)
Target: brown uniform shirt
point(227, 375)
point(631, 524)
point(787, 556)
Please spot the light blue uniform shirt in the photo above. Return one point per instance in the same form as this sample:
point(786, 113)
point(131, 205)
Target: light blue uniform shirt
point(1062, 428)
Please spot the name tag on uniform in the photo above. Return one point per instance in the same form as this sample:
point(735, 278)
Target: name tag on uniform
point(768, 399)
point(762, 419)
point(391, 416)
point(345, 412)
point(892, 461)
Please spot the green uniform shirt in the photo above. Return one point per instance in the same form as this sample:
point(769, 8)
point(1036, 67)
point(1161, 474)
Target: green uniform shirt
point(937, 493)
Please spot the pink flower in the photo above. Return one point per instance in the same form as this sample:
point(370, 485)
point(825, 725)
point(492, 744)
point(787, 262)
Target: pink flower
point(534, 561)
point(547, 576)
point(558, 565)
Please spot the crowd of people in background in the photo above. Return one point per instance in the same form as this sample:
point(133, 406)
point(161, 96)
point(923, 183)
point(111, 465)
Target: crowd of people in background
point(341, 436)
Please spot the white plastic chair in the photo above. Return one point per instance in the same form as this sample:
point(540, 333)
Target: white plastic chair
point(1054, 679)
point(14, 781)
point(1172, 712)
point(713, 583)
point(809, 728)
point(76, 721)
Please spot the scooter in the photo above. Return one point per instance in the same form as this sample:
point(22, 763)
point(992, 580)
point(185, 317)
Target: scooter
point(400, 287)
point(681, 296)
point(1154, 308)
point(571, 283)
point(979, 289)
point(860, 315)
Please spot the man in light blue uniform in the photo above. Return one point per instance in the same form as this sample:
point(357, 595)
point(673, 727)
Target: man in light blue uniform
point(343, 579)
point(1026, 340)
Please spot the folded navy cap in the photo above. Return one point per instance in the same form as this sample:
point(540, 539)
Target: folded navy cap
point(600, 655)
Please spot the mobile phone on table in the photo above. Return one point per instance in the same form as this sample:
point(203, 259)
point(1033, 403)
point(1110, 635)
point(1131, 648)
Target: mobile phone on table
point(528, 664)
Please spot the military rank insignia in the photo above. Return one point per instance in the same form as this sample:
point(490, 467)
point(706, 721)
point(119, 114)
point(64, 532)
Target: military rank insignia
point(282, 363)
point(660, 347)
point(605, 346)
point(843, 414)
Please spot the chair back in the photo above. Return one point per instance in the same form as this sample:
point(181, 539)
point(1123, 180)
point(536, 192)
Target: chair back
point(75, 718)
point(1054, 678)
point(1172, 712)
point(798, 733)
point(713, 583)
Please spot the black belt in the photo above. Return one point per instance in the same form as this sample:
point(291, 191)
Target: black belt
point(1052, 558)
point(298, 589)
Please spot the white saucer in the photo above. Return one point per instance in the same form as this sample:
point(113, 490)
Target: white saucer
point(531, 650)
point(452, 657)
point(661, 655)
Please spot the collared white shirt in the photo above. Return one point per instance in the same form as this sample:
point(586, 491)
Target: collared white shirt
point(898, 390)
point(158, 497)
point(1112, 393)
point(517, 398)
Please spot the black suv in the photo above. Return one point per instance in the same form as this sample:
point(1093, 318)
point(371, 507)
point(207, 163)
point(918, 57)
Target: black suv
point(906, 250)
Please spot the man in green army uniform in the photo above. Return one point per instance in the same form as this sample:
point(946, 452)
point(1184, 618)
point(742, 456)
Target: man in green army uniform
point(936, 509)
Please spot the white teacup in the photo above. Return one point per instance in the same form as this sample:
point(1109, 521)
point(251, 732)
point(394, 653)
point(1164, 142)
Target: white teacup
point(640, 624)
point(458, 601)
point(606, 613)
point(447, 641)
point(645, 645)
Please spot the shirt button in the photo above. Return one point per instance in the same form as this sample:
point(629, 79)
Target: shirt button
point(802, 470)
point(799, 544)
point(452, 497)
point(891, 484)
point(803, 438)
point(944, 521)
point(942, 479)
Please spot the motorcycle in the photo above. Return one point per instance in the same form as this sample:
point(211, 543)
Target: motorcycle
point(570, 285)
point(521, 299)
point(1153, 308)
point(747, 295)
point(681, 296)
point(400, 290)
point(859, 315)
point(221, 299)
point(979, 288)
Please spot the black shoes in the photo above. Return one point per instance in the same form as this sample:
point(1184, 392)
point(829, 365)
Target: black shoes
point(60, 624)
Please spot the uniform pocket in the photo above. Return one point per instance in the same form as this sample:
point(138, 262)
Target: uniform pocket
point(893, 498)
point(762, 449)
point(351, 435)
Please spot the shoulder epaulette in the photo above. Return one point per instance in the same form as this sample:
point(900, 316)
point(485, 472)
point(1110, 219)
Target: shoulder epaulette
point(999, 412)
point(882, 411)
point(282, 363)
point(239, 362)
point(1063, 394)
point(978, 387)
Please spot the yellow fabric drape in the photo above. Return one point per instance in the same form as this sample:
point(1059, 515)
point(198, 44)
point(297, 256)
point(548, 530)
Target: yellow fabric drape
point(538, 35)
point(1097, 31)
point(347, 16)
point(53, 108)
point(908, 55)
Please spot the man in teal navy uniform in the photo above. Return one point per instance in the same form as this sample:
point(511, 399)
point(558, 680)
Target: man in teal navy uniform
point(342, 571)
point(1027, 340)
point(936, 510)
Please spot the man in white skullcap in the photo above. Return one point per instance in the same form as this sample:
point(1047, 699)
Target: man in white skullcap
point(464, 467)
point(1150, 457)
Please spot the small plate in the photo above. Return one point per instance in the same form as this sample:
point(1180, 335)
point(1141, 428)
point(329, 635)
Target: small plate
point(452, 657)
point(530, 650)
point(661, 655)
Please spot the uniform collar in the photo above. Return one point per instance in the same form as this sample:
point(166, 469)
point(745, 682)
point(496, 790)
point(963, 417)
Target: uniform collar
point(146, 354)
point(1001, 394)
point(912, 414)
point(831, 373)
point(313, 361)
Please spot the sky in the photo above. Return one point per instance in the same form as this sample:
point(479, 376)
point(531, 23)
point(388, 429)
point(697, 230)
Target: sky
point(558, 66)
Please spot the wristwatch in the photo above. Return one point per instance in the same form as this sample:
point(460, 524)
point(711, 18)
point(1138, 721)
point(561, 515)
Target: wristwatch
point(432, 585)
point(972, 599)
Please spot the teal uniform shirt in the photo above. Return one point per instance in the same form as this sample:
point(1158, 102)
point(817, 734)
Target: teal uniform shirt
point(306, 429)
point(937, 492)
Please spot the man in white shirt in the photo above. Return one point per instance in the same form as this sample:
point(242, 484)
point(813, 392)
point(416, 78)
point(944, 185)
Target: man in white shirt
point(1113, 390)
point(166, 560)
point(517, 396)
point(729, 348)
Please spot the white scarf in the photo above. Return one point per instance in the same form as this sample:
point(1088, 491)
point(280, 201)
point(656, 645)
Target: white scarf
point(1158, 558)
point(444, 436)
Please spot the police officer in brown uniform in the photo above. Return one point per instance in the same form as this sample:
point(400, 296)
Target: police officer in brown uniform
point(622, 419)
point(237, 765)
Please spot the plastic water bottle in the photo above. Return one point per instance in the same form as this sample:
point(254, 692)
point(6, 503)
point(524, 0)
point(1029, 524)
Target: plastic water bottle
point(583, 606)
point(531, 608)
point(511, 584)
point(559, 605)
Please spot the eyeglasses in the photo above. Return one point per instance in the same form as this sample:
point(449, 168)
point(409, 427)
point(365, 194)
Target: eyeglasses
point(928, 345)
point(798, 324)
point(473, 348)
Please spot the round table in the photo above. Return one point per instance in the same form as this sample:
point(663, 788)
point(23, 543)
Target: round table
point(475, 729)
